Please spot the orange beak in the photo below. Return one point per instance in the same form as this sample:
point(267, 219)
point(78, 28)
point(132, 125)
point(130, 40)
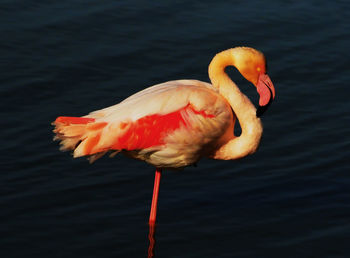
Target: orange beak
point(266, 91)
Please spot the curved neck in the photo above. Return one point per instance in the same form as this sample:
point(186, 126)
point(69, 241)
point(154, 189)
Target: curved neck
point(247, 143)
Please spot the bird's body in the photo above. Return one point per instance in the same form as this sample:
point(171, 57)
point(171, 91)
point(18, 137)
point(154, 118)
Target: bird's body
point(170, 125)
point(174, 124)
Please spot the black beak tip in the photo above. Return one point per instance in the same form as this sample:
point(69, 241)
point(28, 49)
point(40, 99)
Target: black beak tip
point(261, 110)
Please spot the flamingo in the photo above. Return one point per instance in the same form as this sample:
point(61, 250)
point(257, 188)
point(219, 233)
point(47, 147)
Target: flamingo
point(174, 124)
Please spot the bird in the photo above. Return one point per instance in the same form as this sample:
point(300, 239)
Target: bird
point(174, 124)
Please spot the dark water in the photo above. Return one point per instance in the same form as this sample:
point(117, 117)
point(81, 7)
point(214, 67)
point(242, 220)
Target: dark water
point(290, 199)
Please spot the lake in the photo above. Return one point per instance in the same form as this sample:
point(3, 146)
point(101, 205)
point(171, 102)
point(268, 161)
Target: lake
point(289, 199)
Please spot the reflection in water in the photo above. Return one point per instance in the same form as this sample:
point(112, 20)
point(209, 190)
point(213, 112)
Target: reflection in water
point(152, 239)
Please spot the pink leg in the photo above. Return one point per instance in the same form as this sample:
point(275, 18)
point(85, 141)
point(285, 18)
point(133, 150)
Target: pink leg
point(152, 240)
point(153, 214)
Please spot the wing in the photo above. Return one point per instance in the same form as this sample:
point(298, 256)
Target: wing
point(152, 119)
point(158, 99)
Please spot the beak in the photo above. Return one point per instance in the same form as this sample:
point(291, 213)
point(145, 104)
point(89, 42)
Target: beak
point(266, 91)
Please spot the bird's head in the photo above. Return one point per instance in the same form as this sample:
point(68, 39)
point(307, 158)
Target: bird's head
point(251, 63)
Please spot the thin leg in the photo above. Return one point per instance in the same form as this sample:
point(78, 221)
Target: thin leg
point(153, 214)
point(152, 240)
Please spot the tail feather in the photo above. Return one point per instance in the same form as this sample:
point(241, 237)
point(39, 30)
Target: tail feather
point(69, 144)
point(80, 134)
point(96, 156)
point(71, 130)
point(74, 120)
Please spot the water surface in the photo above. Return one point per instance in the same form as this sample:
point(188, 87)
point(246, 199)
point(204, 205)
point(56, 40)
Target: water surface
point(290, 199)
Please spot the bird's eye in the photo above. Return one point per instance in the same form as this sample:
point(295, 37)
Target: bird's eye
point(258, 69)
